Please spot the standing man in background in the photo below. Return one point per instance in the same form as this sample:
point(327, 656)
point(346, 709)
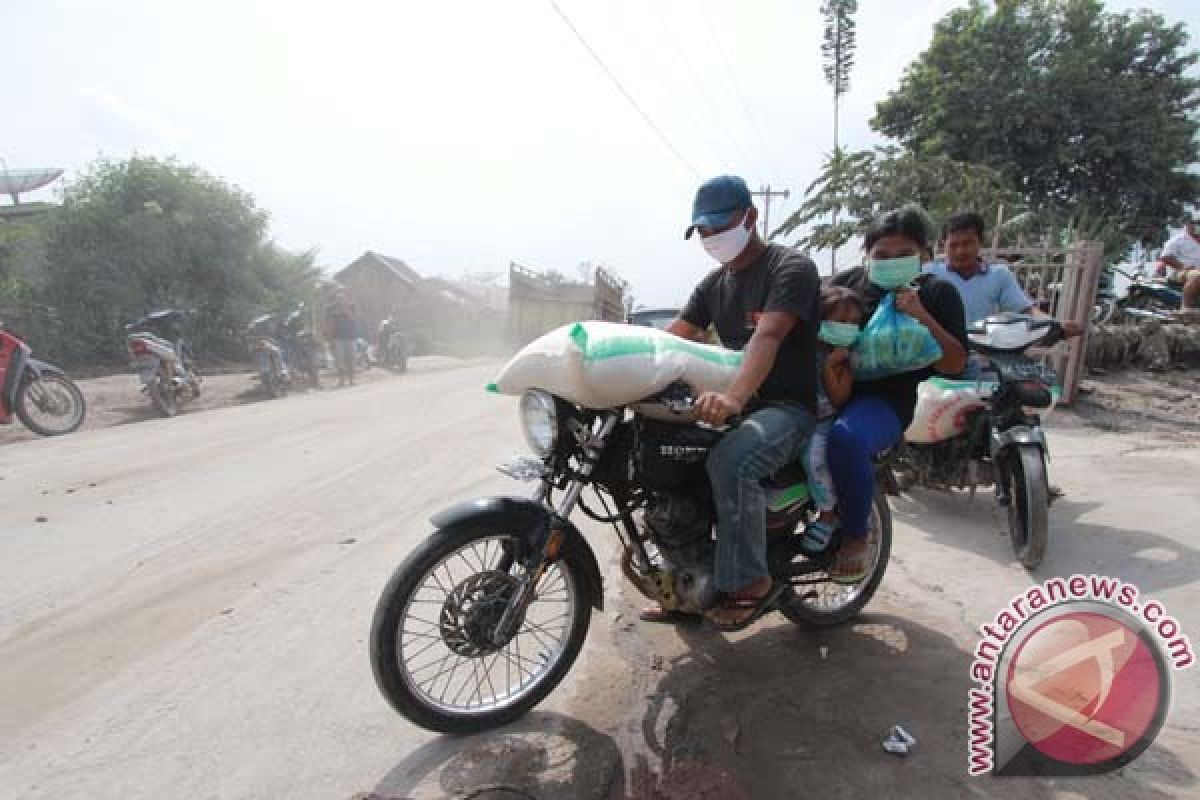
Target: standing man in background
point(341, 329)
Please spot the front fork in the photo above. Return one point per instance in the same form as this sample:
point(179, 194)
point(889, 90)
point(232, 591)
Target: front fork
point(1002, 442)
point(552, 538)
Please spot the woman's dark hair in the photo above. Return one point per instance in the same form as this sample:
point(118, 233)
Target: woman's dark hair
point(964, 221)
point(908, 222)
point(834, 297)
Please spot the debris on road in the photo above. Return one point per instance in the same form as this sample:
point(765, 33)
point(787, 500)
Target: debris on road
point(350, 540)
point(41, 519)
point(899, 741)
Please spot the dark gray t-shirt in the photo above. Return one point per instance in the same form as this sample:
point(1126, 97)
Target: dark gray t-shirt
point(780, 280)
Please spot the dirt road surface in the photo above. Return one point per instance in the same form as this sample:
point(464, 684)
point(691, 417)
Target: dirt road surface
point(186, 603)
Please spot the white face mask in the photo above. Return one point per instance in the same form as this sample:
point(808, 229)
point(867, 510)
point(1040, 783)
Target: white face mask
point(727, 245)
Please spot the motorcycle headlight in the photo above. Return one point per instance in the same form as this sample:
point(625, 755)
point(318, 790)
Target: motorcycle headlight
point(539, 421)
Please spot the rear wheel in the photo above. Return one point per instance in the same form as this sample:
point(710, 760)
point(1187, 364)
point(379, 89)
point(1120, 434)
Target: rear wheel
point(50, 405)
point(1028, 504)
point(827, 603)
point(434, 649)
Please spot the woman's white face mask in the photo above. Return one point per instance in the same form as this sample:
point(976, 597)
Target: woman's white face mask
point(728, 245)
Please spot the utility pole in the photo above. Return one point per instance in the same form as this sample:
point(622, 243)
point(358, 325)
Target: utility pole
point(766, 194)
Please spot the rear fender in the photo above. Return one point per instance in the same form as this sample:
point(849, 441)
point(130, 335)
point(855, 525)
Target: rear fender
point(533, 522)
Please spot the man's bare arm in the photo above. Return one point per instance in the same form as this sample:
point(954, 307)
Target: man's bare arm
point(686, 330)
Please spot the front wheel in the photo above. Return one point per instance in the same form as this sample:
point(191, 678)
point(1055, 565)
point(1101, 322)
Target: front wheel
point(434, 645)
point(164, 397)
point(1028, 503)
point(827, 603)
point(50, 405)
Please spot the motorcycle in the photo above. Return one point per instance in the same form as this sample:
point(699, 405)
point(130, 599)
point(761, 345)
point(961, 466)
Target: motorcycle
point(362, 354)
point(487, 615)
point(41, 394)
point(1144, 298)
point(967, 434)
point(162, 358)
point(301, 347)
point(268, 356)
point(393, 346)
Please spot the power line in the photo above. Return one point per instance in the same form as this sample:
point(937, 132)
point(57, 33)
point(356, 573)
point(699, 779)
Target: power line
point(712, 32)
point(699, 85)
point(616, 82)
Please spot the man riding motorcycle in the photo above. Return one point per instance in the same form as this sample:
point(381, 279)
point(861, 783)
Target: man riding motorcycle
point(763, 299)
point(985, 288)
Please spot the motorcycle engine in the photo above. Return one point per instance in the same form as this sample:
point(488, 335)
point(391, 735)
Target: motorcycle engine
point(681, 525)
point(949, 464)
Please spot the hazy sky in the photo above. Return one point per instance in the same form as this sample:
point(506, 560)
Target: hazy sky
point(458, 135)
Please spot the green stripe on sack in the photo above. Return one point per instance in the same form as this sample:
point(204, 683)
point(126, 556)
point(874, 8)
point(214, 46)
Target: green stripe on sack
point(956, 385)
point(617, 346)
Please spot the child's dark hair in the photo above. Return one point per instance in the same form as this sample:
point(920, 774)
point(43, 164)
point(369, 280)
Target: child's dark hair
point(834, 297)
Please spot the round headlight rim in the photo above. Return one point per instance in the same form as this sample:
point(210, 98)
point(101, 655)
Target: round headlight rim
point(546, 404)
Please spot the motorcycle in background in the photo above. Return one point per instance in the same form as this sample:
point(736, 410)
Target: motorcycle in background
point(1144, 298)
point(268, 355)
point(41, 394)
point(967, 434)
point(301, 347)
point(362, 354)
point(163, 360)
point(393, 346)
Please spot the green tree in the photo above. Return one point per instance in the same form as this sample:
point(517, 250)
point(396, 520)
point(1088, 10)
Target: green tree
point(866, 183)
point(838, 48)
point(1086, 113)
point(137, 235)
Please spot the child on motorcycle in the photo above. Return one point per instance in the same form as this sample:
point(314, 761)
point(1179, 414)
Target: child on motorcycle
point(841, 317)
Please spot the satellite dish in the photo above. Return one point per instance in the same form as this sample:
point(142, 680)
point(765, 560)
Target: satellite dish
point(15, 181)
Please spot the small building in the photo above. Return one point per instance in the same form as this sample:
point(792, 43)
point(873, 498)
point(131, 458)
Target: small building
point(379, 285)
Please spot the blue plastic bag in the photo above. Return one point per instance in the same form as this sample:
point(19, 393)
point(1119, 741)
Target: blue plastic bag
point(892, 342)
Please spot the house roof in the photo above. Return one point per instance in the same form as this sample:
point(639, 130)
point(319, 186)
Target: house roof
point(394, 266)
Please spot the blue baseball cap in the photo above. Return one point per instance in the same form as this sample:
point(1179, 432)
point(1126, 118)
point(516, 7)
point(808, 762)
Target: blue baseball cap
point(717, 201)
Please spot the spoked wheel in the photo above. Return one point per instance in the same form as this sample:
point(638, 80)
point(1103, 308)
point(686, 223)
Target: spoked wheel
point(826, 603)
point(50, 405)
point(1028, 504)
point(438, 650)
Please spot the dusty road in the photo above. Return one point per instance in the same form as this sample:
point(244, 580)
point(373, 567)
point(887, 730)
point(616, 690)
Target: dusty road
point(189, 621)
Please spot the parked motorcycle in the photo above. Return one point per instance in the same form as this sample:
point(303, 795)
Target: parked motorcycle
point(301, 347)
point(269, 362)
point(1144, 298)
point(41, 394)
point(392, 349)
point(362, 354)
point(968, 434)
point(487, 615)
point(163, 359)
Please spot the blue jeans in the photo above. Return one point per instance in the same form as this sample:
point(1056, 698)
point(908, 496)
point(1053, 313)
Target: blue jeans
point(767, 441)
point(816, 467)
point(865, 427)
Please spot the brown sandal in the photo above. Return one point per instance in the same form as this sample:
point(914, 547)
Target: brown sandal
point(748, 609)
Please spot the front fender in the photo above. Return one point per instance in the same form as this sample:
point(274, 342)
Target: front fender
point(533, 519)
point(1018, 434)
point(41, 368)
